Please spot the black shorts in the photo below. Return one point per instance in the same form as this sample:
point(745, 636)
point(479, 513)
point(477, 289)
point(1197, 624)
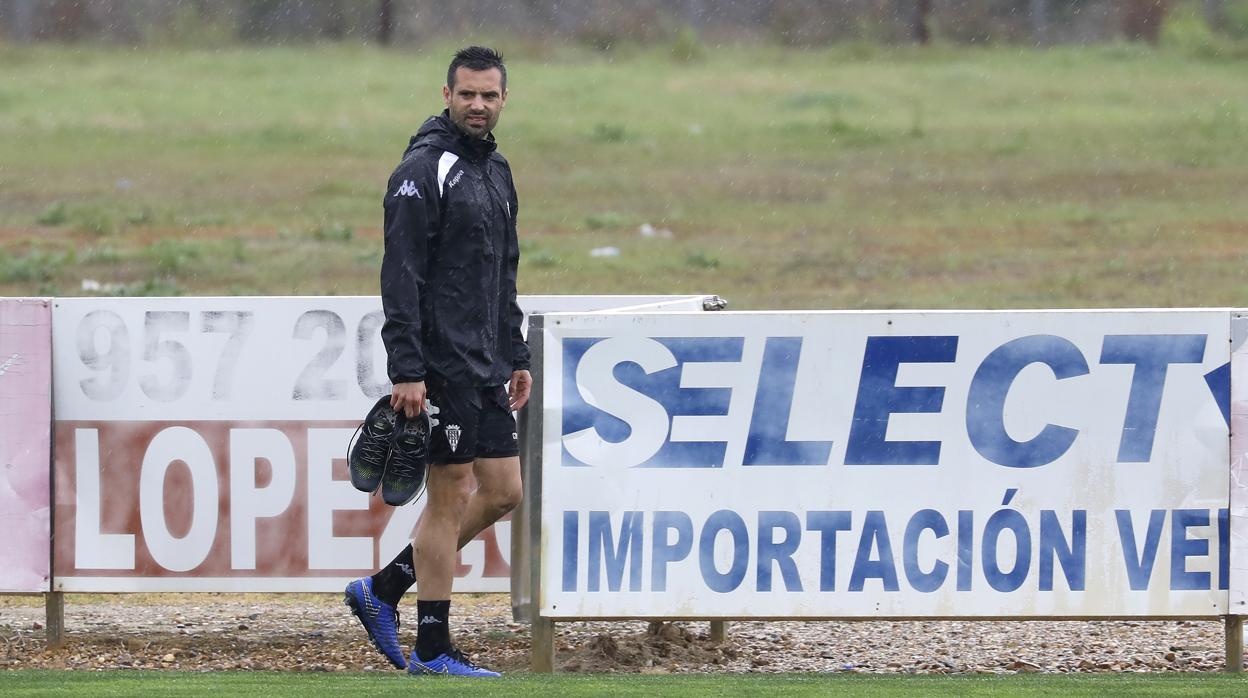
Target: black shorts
point(469, 423)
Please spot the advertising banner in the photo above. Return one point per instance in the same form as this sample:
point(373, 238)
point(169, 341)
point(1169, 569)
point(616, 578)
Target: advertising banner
point(201, 445)
point(886, 464)
point(25, 443)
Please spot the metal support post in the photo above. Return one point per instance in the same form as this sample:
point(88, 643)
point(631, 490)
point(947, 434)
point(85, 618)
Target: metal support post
point(719, 631)
point(542, 653)
point(521, 565)
point(54, 617)
point(526, 519)
point(541, 630)
point(1234, 644)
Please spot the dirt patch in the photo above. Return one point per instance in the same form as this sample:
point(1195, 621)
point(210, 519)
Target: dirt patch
point(310, 632)
point(661, 648)
point(315, 632)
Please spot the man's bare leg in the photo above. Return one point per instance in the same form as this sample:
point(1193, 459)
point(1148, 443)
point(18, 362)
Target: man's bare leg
point(433, 549)
point(462, 500)
point(498, 491)
point(433, 556)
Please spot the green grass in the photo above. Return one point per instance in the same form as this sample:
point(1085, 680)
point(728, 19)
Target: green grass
point(30, 683)
point(838, 178)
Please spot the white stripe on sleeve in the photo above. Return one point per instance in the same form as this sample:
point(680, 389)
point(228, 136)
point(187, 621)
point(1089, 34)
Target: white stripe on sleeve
point(445, 163)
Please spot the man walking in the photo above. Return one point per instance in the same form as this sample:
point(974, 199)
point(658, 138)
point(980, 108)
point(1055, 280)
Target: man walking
point(453, 341)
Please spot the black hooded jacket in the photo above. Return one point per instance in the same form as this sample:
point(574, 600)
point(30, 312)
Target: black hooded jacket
point(448, 277)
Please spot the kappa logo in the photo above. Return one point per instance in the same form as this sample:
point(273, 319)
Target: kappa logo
point(429, 619)
point(455, 180)
point(452, 436)
point(407, 569)
point(432, 410)
point(408, 188)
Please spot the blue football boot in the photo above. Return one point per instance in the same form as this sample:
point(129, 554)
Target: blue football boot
point(449, 663)
point(379, 618)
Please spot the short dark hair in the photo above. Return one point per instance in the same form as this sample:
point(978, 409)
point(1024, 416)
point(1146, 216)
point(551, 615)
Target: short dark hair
point(476, 58)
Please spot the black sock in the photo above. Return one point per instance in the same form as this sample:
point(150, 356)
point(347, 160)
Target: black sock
point(433, 631)
point(393, 581)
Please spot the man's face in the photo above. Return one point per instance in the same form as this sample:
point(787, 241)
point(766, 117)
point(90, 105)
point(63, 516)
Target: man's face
point(476, 100)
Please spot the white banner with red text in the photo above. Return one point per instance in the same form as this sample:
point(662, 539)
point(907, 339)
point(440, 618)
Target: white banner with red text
point(201, 445)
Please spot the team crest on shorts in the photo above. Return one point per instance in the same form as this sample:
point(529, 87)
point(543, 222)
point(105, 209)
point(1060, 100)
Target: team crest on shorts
point(452, 436)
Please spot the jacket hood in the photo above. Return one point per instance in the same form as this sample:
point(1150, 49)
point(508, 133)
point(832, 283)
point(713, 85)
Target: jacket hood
point(440, 132)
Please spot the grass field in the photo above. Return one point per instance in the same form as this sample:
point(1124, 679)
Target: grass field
point(853, 177)
point(32, 683)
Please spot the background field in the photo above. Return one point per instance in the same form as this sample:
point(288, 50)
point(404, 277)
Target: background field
point(852, 177)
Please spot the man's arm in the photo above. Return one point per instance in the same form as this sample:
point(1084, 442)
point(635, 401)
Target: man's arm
point(521, 381)
point(411, 225)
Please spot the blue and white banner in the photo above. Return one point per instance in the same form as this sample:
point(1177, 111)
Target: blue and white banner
point(907, 464)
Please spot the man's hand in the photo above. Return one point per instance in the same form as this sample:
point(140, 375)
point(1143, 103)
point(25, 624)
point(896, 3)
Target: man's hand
point(409, 398)
point(521, 384)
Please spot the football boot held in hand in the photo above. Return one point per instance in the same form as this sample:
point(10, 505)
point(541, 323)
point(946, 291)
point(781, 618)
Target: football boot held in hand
point(367, 459)
point(404, 477)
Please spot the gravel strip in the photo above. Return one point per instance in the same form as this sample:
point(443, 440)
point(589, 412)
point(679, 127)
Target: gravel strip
point(306, 632)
